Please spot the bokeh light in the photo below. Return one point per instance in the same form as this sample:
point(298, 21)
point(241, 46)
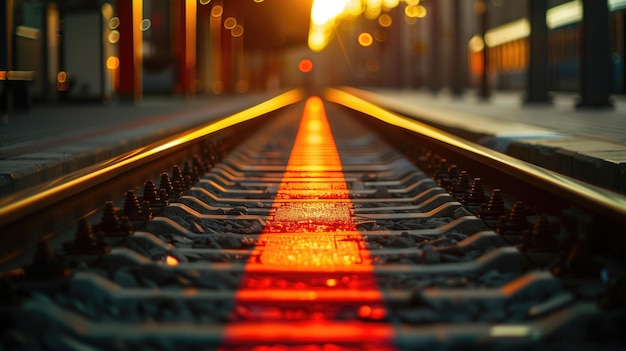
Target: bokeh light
point(145, 24)
point(113, 62)
point(385, 20)
point(114, 36)
point(327, 14)
point(217, 11)
point(380, 35)
point(114, 22)
point(237, 31)
point(305, 66)
point(230, 23)
point(365, 39)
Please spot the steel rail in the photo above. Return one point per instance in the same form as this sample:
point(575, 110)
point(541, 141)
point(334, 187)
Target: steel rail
point(577, 193)
point(23, 208)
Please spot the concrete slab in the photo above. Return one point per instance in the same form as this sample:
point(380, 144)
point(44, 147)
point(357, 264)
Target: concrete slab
point(586, 144)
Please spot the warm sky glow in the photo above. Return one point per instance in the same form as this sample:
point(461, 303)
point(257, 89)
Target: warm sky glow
point(324, 11)
point(326, 14)
point(311, 247)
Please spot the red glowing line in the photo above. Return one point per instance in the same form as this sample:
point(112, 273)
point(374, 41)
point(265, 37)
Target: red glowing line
point(314, 238)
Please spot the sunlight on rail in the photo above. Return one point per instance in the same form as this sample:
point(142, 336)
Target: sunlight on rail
point(317, 300)
point(609, 201)
point(13, 206)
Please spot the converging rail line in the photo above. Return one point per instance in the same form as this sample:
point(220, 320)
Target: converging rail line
point(313, 223)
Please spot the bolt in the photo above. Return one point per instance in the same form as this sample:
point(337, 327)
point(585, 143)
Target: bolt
point(208, 155)
point(187, 182)
point(126, 225)
point(85, 241)
point(84, 233)
point(516, 222)
point(197, 163)
point(150, 193)
point(440, 170)
point(177, 182)
point(132, 208)
point(146, 210)
point(191, 172)
point(453, 171)
point(461, 186)
point(519, 213)
point(541, 236)
point(475, 196)
point(451, 176)
point(423, 160)
point(166, 184)
point(109, 222)
point(177, 174)
point(221, 150)
point(434, 164)
point(543, 232)
point(496, 202)
point(494, 208)
point(187, 168)
point(163, 196)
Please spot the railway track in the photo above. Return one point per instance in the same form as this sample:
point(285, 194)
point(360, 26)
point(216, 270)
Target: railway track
point(304, 224)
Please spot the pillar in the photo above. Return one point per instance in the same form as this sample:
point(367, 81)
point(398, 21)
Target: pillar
point(6, 35)
point(595, 72)
point(130, 13)
point(483, 23)
point(537, 89)
point(216, 85)
point(227, 58)
point(435, 42)
point(186, 41)
point(456, 63)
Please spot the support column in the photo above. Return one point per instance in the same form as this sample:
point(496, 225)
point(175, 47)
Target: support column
point(456, 62)
point(435, 67)
point(203, 72)
point(227, 60)
point(483, 23)
point(595, 73)
point(6, 35)
point(392, 50)
point(216, 84)
point(187, 13)
point(537, 90)
point(130, 13)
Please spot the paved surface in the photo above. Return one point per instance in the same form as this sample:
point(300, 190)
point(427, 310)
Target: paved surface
point(51, 141)
point(586, 144)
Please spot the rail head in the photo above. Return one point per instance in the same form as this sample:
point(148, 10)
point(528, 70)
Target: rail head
point(15, 207)
point(579, 194)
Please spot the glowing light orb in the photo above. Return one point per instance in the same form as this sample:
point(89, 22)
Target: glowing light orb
point(365, 39)
point(305, 66)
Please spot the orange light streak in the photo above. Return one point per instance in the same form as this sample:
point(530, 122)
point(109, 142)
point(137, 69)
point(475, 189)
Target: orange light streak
point(319, 274)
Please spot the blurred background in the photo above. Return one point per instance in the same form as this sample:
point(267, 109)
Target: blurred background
point(95, 50)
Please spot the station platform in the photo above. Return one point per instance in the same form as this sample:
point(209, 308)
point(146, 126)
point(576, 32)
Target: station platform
point(585, 144)
point(50, 141)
